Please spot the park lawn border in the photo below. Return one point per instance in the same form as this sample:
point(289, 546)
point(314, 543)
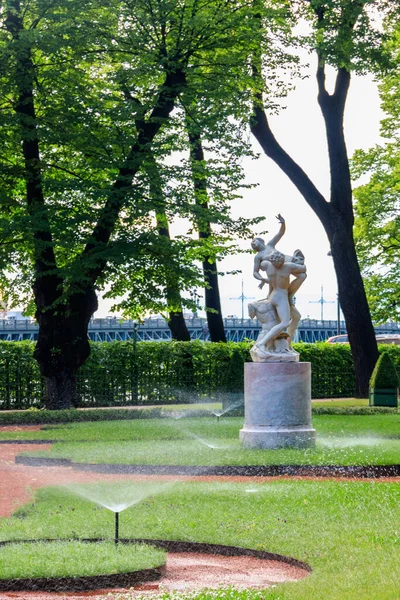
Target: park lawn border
point(94, 582)
point(79, 582)
point(45, 417)
point(359, 471)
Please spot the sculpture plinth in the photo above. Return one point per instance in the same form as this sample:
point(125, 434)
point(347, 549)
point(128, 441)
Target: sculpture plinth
point(277, 405)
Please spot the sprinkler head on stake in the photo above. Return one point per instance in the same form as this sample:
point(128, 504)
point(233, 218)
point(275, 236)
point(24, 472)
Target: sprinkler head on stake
point(116, 528)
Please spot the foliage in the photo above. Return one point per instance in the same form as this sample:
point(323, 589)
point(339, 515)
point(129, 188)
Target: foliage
point(234, 371)
point(352, 411)
point(91, 95)
point(74, 559)
point(146, 373)
point(346, 37)
point(377, 226)
point(97, 77)
point(384, 376)
point(39, 417)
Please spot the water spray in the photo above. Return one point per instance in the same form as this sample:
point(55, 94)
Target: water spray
point(116, 528)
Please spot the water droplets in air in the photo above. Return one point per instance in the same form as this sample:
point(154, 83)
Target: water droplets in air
point(119, 495)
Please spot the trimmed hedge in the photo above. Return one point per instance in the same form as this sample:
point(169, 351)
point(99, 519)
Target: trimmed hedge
point(384, 375)
point(122, 373)
point(42, 417)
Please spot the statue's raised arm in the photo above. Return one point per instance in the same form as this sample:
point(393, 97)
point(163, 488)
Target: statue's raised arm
point(272, 243)
point(264, 250)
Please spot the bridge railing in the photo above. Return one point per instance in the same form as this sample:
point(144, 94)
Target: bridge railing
point(156, 329)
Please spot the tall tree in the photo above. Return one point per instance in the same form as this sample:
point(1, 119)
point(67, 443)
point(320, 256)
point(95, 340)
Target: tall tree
point(212, 296)
point(377, 224)
point(176, 319)
point(72, 151)
point(344, 37)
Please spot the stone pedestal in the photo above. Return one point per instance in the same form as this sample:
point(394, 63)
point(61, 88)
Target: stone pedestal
point(277, 401)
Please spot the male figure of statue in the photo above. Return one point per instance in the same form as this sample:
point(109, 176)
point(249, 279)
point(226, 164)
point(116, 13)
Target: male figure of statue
point(278, 272)
point(276, 349)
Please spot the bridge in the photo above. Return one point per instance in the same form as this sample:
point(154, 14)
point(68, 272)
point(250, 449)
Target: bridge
point(156, 329)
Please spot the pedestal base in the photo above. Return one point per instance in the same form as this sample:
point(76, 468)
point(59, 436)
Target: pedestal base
point(277, 437)
point(277, 406)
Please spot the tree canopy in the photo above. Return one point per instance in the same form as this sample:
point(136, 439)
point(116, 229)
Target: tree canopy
point(377, 225)
point(93, 96)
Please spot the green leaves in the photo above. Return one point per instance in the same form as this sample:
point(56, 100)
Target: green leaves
point(377, 226)
point(348, 33)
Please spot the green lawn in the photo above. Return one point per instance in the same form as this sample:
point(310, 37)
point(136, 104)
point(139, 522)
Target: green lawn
point(341, 402)
point(342, 439)
point(347, 531)
point(149, 429)
point(75, 559)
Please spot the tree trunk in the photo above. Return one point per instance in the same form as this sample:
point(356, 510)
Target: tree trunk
point(355, 309)
point(178, 327)
point(176, 321)
point(60, 391)
point(212, 298)
point(215, 321)
point(63, 347)
point(336, 216)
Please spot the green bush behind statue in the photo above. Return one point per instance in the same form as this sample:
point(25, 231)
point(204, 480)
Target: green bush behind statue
point(122, 373)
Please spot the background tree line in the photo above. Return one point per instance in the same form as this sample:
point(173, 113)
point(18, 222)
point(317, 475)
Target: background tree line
point(97, 99)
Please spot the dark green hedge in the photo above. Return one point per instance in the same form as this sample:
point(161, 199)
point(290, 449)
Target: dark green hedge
point(42, 417)
point(120, 373)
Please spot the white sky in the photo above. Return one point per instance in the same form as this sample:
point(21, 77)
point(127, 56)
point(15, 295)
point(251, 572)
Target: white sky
point(300, 129)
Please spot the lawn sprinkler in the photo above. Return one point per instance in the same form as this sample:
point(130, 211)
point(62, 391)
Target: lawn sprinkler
point(116, 528)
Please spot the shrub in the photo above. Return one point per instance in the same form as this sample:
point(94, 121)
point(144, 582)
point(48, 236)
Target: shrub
point(384, 375)
point(42, 417)
point(151, 373)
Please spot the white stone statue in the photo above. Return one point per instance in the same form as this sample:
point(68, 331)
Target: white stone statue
point(266, 349)
point(277, 312)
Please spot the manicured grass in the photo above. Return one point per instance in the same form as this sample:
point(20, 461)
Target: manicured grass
point(342, 440)
point(341, 402)
point(75, 559)
point(193, 452)
point(211, 406)
point(35, 416)
point(347, 531)
point(171, 429)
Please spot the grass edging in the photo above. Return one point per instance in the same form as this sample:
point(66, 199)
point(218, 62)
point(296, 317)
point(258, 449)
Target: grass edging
point(77, 582)
point(80, 584)
point(361, 471)
point(60, 584)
